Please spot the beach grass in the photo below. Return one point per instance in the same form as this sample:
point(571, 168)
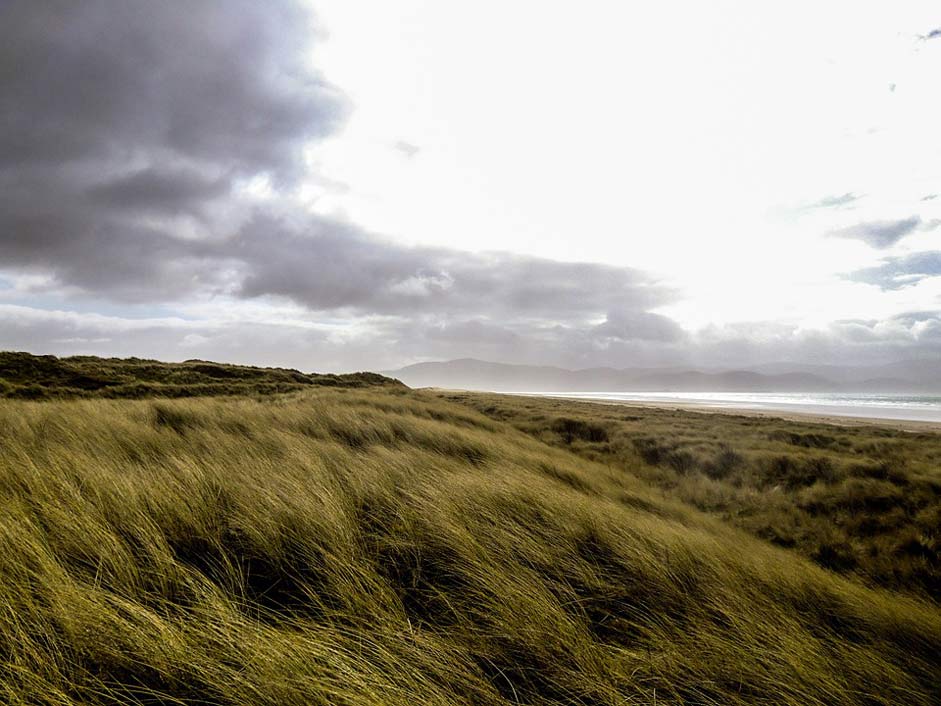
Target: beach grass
point(385, 546)
point(861, 500)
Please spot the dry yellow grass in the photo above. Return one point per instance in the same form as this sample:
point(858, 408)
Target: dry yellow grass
point(384, 547)
point(861, 500)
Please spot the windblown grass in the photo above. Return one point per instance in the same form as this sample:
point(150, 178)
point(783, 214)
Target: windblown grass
point(384, 547)
point(860, 500)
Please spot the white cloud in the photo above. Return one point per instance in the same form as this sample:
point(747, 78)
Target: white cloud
point(661, 136)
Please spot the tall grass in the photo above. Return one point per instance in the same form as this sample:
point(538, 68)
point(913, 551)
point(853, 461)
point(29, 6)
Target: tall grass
point(381, 547)
point(861, 500)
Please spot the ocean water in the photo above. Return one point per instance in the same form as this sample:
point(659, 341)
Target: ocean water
point(925, 408)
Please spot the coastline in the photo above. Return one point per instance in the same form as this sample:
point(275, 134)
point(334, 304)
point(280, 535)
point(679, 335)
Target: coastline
point(791, 415)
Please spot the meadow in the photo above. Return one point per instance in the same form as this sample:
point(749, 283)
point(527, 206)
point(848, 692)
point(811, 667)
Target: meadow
point(386, 546)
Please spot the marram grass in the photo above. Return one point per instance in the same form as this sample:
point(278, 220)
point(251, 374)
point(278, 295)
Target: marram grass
point(384, 547)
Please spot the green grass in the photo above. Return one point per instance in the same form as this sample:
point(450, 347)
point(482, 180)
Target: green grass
point(860, 500)
point(27, 376)
point(382, 546)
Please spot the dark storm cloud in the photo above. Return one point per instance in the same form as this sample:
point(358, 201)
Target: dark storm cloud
point(159, 190)
point(323, 265)
point(880, 234)
point(900, 272)
point(120, 83)
point(124, 124)
point(835, 201)
point(128, 128)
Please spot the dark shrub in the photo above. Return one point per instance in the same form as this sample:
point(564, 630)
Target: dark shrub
point(808, 441)
point(656, 453)
point(650, 450)
point(29, 392)
point(881, 471)
point(571, 429)
point(793, 473)
point(681, 461)
point(724, 463)
point(836, 556)
point(819, 468)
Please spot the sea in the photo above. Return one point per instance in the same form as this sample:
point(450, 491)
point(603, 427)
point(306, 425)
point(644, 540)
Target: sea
point(924, 408)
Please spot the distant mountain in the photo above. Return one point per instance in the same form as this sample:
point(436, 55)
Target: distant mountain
point(920, 372)
point(472, 374)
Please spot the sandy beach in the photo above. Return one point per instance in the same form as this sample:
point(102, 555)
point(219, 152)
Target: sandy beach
point(797, 414)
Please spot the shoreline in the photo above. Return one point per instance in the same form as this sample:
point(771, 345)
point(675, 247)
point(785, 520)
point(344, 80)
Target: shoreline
point(791, 415)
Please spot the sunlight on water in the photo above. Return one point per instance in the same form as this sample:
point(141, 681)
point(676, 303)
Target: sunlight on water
point(903, 407)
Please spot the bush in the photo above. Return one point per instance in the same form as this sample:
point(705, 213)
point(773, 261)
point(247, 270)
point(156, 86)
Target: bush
point(726, 461)
point(29, 392)
point(808, 441)
point(836, 556)
point(794, 472)
point(571, 429)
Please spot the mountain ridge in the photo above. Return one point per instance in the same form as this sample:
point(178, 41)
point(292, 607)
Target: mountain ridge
point(473, 374)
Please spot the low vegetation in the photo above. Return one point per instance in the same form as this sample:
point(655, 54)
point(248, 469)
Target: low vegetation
point(26, 376)
point(382, 546)
point(858, 500)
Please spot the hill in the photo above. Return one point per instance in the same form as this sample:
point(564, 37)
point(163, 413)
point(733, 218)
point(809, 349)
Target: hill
point(27, 376)
point(471, 374)
point(385, 546)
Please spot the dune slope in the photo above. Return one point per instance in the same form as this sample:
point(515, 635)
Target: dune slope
point(380, 547)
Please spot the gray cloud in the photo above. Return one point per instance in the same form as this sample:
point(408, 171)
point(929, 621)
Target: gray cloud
point(472, 332)
point(117, 84)
point(392, 342)
point(408, 149)
point(835, 201)
point(933, 34)
point(880, 234)
point(123, 152)
point(159, 190)
point(325, 266)
point(127, 126)
point(900, 272)
point(929, 197)
point(127, 130)
point(638, 325)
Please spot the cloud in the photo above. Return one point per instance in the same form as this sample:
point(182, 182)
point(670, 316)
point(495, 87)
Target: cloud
point(389, 342)
point(127, 127)
point(929, 197)
point(124, 157)
point(638, 325)
point(933, 34)
point(900, 272)
point(474, 332)
point(130, 132)
point(835, 201)
point(324, 266)
point(407, 149)
point(879, 234)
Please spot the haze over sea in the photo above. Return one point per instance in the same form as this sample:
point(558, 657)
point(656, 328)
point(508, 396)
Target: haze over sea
point(926, 408)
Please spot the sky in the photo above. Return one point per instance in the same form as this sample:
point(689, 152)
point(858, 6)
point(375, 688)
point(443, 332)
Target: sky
point(352, 184)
